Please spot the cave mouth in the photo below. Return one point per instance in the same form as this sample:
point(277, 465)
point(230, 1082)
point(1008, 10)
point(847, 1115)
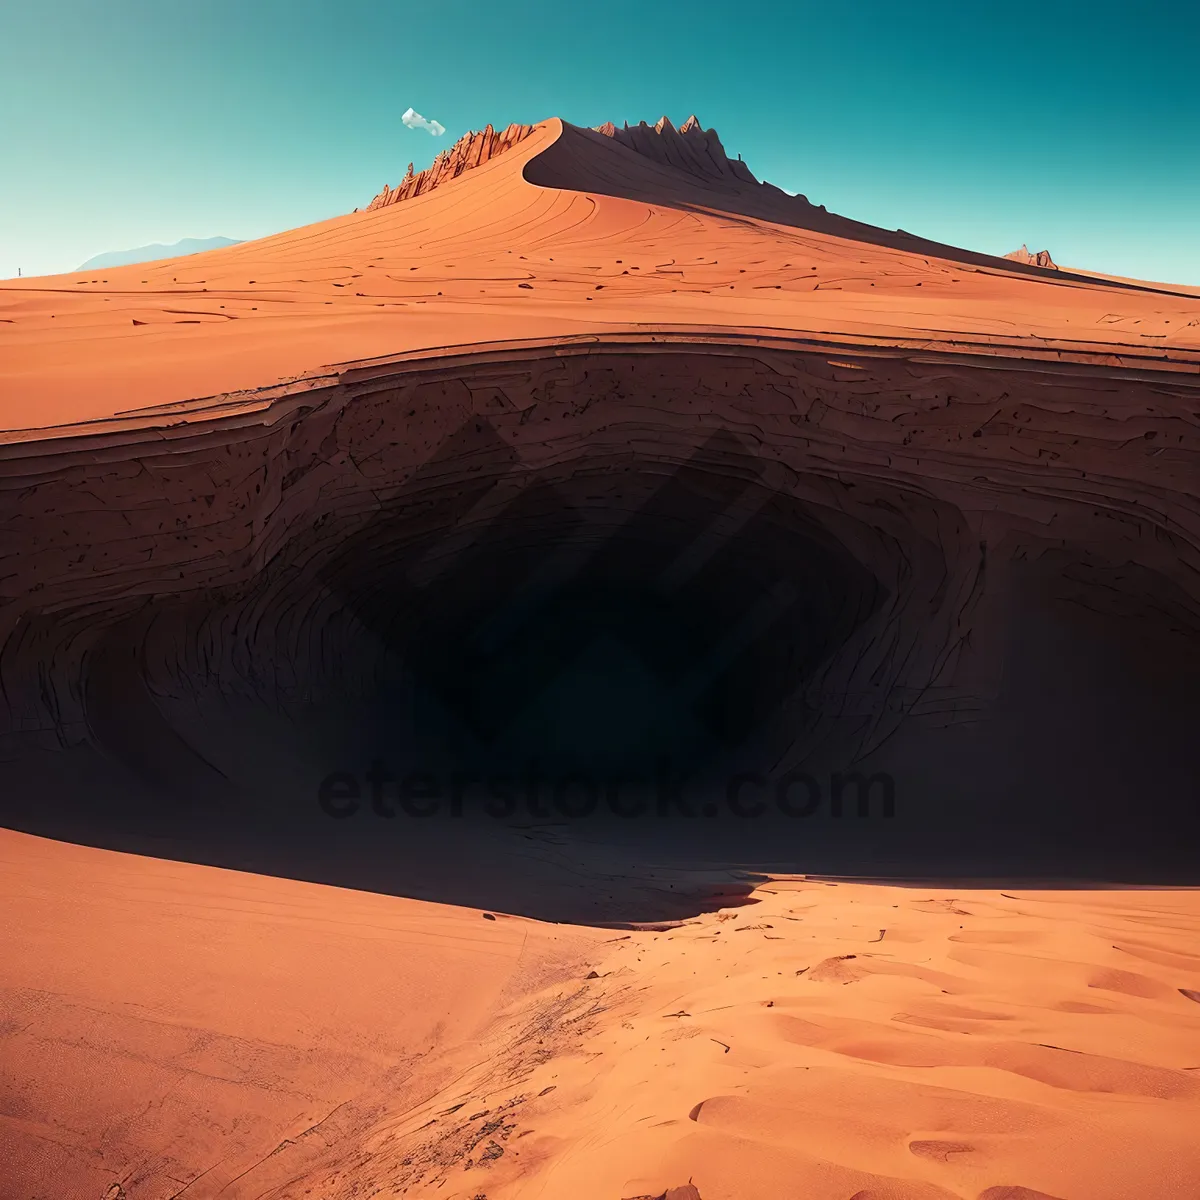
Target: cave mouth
point(602, 596)
point(600, 628)
point(601, 612)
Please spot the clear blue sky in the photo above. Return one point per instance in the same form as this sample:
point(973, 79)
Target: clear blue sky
point(1068, 125)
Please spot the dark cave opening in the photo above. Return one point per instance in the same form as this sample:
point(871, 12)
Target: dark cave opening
point(672, 623)
point(638, 632)
point(667, 627)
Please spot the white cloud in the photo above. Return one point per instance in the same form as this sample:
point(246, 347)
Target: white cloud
point(414, 120)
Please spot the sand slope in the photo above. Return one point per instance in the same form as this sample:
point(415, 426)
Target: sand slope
point(182, 1030)
point(983, 1045)
point(491, 256)
point(165, 1025)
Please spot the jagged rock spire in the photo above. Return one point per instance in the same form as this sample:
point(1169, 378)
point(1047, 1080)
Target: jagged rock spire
point(1025, 255)
point(689, 148)
point(471, 150)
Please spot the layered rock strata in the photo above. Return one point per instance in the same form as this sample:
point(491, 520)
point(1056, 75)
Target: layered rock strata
point(975, 571)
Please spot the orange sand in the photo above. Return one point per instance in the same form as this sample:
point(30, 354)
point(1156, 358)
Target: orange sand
point(491, 257)
point(164, 1023)
point(188, 1031)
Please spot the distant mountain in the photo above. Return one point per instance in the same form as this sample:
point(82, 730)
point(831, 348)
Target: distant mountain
point(121, 258)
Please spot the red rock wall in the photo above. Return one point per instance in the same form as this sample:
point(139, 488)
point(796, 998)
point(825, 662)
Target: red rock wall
point(999, 565)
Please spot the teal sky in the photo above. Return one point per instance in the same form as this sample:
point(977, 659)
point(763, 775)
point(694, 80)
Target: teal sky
point(1070, 126)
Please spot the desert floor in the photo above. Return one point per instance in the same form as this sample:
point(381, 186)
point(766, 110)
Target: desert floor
point(175, 1030)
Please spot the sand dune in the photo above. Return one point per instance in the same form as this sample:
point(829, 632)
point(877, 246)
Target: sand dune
point(179, 1030)
point(167, 1025)
point(446, 269)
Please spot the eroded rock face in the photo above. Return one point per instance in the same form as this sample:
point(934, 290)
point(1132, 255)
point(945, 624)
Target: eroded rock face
point(699, 498)
point(471, 150)
point(746, 561)
point(690, 148)
point(1025, 255)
